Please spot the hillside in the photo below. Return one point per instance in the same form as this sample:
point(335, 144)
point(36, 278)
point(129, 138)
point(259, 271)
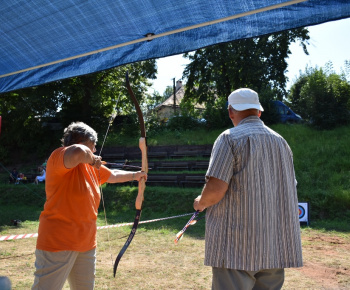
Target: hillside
point(321, 158)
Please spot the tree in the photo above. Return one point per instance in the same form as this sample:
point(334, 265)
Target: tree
point(90, 98)
point(296, 100)
point(322, 97)
point(257, 63)
point(94, 98)
point(168, 92)
point(22, 112)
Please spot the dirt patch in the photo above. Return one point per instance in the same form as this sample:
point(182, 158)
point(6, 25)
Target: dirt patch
point(325, 276)
point(326, 260)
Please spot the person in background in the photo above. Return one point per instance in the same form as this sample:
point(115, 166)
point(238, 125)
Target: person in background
point(20, 177)
point(252, 225)
point(44, 164)
point(42, 175)
point(66, 244)
point(13, 176)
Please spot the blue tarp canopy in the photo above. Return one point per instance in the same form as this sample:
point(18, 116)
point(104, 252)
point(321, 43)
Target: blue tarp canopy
point(43, 41)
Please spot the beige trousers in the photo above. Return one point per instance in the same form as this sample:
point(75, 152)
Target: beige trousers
point(227, 279)
point(54, 268)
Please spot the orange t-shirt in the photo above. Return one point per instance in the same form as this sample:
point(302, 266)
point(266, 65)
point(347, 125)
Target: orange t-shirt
point(68, 221)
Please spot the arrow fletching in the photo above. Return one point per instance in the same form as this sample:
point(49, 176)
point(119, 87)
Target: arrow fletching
point(192, 221)
point(179, 236)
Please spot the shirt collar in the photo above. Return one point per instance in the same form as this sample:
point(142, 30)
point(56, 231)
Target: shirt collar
point(250, 119)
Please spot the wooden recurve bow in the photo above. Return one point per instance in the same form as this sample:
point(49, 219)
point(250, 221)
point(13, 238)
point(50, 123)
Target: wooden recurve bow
point(142, 182)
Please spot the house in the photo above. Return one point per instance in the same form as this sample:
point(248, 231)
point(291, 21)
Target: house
point(167, 109)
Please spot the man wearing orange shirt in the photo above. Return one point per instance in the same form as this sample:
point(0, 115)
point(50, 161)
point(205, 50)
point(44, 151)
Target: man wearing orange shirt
point(66, 245)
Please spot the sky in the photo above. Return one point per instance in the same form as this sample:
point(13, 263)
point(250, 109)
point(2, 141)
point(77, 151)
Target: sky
point(328, 42)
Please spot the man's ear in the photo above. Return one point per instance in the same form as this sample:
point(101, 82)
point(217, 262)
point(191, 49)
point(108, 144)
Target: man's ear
point(230, 113)
point(259, 114)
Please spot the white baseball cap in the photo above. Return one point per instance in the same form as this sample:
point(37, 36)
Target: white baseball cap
point(244, 99)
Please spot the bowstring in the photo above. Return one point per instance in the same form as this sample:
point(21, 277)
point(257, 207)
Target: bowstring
point(101, 191)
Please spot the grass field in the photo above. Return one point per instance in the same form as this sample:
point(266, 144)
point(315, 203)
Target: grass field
point(153, 261)
point(322, 164)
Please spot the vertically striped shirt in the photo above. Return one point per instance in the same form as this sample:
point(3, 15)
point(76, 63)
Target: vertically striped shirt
point(256, 225)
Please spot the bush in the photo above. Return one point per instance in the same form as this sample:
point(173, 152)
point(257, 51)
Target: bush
point(323, 98)
point(183, 122)
point(270, 114)
point(216, 115)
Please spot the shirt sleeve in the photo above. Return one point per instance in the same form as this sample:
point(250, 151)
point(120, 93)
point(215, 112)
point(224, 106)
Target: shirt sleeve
point(221, 159)
point(55, 164)
point(105, 173)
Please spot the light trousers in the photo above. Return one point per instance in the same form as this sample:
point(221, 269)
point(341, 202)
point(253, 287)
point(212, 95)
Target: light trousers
point(54, 268)
point(227, 279)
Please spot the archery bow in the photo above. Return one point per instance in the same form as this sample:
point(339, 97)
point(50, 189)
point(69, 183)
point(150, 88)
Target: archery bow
point(142, 183)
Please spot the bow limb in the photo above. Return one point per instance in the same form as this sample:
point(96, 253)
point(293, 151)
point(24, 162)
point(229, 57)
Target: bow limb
point(142, 146)
point(142, 182)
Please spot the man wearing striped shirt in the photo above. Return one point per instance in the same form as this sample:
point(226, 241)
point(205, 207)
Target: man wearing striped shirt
point(252, 226)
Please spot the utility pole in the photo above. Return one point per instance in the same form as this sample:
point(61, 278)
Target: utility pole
point(174, 96)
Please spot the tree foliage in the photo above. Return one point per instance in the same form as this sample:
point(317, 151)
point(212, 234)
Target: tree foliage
point(258, 63)
point(322, 97)
point(169, 90)
point(94, 98)
point(90, 98)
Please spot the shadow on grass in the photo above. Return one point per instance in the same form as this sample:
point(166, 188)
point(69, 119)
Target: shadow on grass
point(331, 225)
point(17, 212)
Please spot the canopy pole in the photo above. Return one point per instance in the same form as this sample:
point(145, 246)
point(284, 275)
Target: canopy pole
point(151, 36)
